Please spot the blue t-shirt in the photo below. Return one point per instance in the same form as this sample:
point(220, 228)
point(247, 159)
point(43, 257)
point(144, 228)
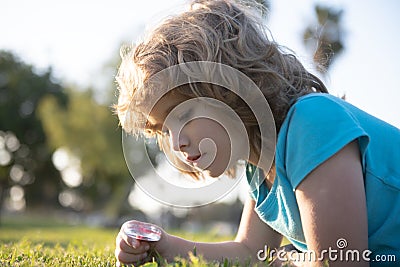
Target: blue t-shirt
point(316, 127)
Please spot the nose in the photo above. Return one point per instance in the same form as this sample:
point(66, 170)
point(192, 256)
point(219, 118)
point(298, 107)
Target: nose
point(179, 140)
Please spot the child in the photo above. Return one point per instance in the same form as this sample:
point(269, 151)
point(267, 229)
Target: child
point(333, 189)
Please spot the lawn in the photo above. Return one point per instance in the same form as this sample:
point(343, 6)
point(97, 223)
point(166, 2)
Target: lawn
point(49, 243)
point(41, 242)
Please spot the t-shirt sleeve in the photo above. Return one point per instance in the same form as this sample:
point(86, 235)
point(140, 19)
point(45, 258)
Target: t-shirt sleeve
point(318, 128)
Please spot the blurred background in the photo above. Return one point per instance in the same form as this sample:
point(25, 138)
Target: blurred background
point(60, 144)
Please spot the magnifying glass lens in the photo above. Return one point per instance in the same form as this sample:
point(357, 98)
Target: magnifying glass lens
point(142, 231)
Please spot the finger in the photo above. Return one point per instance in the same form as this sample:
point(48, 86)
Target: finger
point(129, 240)
point(143, 247)
point(128, 258)
point(123, 238)
point(140, 246)
point(133, 242)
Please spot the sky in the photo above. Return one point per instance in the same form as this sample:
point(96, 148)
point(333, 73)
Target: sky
point(367, 72)
point(78, 38)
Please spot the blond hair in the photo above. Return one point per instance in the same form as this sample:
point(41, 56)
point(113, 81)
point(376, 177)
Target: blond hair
point(218, 31)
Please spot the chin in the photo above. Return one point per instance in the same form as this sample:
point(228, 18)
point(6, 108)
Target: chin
point(214, 173)
point(216, 170)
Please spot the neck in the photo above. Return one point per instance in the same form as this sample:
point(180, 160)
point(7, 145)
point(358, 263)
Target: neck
point(255, 160)
point(269, 171)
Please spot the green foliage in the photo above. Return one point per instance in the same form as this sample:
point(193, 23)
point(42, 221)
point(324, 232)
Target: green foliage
point(42, 116)
point(21, 89)
point(325, 37)
point(90, 131)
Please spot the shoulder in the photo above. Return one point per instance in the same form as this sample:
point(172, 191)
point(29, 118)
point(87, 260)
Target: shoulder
point(317, 126)
point(317, 105)
point(318, 113)
point(318, 98)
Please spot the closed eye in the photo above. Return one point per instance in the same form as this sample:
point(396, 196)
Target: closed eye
point(186, 114)
point(157, 128)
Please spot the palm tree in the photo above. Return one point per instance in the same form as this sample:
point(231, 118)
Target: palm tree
point(326, 37)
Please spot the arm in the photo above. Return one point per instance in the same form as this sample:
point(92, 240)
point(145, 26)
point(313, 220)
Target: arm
point(332, 205)
point(252, 236)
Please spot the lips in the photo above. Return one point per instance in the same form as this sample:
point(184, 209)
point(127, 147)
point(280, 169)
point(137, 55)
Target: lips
point(193, 158)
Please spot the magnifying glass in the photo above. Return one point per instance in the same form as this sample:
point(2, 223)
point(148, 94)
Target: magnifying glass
point(141, 230)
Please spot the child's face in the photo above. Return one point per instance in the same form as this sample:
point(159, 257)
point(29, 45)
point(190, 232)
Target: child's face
point(202, 135)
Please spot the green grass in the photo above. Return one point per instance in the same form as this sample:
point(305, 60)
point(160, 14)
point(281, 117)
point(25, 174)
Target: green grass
point(55, 245)
point(48, 241)
point(71, 246)
point(41, 242)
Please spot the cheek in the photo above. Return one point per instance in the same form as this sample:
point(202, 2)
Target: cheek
point(221, 139)
point(211, 130)
point(214, 131)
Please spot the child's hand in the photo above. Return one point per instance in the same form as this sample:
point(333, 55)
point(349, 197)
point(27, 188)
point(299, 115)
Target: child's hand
point(130, 250)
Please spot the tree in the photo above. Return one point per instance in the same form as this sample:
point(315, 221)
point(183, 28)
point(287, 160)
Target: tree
point(326, 37)
point(90, 132)
point(25, 158)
